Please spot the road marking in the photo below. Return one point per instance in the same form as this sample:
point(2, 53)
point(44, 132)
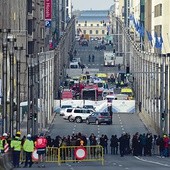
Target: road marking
point(126, 168)
point(123, 129)
point(120, 165)
point(121, 126)
point(153, 162)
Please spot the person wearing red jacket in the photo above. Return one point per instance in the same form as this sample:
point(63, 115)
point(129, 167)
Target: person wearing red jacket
point(166, 142)
point(40, 145)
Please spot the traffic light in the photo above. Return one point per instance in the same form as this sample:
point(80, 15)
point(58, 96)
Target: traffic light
point(163, 116)
point(127, 70)
point(14, 107)
point(35, 116)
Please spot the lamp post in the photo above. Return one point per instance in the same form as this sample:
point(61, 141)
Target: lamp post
point(11, 40)
point(29, 114)
point(4, 79)
point(18, 87)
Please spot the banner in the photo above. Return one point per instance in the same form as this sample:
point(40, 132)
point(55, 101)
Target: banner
point(47, 9)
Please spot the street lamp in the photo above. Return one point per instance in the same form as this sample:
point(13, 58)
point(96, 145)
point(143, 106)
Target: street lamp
point(18, 87)
point(4, 79)
point(11, 39)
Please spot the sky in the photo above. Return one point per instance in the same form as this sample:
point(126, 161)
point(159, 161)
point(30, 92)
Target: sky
point(91, 4)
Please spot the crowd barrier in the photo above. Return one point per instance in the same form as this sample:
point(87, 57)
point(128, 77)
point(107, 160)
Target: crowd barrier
point(73, 154)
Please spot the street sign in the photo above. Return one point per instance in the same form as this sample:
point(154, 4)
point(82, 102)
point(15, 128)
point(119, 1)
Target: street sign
point(80, 153)
point(35, 155)
point(48, 23)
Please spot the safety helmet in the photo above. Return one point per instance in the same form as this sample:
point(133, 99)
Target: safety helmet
point(29, 135)
point(5, 134)
point(18, 133)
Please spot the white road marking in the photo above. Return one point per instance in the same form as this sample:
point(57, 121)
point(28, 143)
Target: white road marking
point(123, 129)
point(153, 162)
point(120, 165)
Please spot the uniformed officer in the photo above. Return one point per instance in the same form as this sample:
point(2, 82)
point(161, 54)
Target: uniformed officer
point(28, 147)
point(3, 142)
point(16, 149)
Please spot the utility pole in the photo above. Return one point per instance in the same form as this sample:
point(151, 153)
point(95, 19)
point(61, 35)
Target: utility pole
point(11, 40)
point(4, 79)
point(19, 49)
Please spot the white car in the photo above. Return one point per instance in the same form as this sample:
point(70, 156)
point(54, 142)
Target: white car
point(80, 114)
point(62, 109)
point(67, 113)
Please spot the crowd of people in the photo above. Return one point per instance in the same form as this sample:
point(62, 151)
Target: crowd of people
point(136, 145)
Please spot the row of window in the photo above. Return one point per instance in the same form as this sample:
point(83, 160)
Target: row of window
point(93, 32)
point(92, 25)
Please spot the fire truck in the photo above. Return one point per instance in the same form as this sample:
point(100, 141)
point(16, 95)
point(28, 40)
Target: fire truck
point(90, 92)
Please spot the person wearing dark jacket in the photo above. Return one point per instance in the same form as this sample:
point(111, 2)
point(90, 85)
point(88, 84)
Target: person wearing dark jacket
point(114, 144)
point(122, 142)
point(102, 142)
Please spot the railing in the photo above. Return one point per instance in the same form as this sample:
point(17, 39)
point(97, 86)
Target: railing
point(72, 154)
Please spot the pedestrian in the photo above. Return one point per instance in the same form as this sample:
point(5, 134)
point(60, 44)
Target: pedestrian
point(92, 58)
point(102, 142)
point(119, 67)
point(106, 144)
point(3, 142)
point(89, 58)
point(122, 145)
point(16, 149)
point(114, 145)
point(93, 143)
point(28, 148)
point(40, 145)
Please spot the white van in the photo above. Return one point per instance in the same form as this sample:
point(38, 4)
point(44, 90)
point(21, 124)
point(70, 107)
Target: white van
point(74, 65)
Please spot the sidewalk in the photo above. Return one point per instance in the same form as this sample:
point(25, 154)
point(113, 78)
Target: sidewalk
point(44, 130)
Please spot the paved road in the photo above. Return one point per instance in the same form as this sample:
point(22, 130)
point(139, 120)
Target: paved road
point(121, 123)
point(83, 53)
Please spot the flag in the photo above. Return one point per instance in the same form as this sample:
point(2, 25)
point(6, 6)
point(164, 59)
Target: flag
point(157, 44)
point(141, 30)
point(160, 41)
point(131, 17)
point(149, 37)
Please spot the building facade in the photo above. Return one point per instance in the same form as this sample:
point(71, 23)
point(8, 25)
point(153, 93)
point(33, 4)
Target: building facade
point(160, 13)
point(93, 22)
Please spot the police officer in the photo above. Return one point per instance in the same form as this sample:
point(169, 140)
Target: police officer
point(16, 148)
point(3, 142)
point(28, 147)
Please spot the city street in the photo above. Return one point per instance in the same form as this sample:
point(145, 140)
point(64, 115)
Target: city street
point(129, 123)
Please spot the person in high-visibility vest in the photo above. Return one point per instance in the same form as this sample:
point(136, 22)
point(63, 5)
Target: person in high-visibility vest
point(3, 142)
point(16, 149)
point(28, 147)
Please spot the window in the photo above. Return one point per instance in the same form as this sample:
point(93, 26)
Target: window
point(85, 25)
point(42, 32)
point(97, 25)
point(41, 49)
point(84, 31)
point(91, 32)
point(158, 10)
point(103, 32)
point(158, 29)
point(85, 22)
point(91, 25)
point(79, 25)
point(41, 14)
point(97, 31)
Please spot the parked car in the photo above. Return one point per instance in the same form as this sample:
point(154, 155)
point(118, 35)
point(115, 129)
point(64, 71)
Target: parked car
point(88, 106)
point(67, 113)
point(63, 107)
point(84, 43)
point(80, 114)
point(100, 47)
point(99, 117)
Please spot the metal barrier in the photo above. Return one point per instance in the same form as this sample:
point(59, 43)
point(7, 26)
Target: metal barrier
point(68, 154)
